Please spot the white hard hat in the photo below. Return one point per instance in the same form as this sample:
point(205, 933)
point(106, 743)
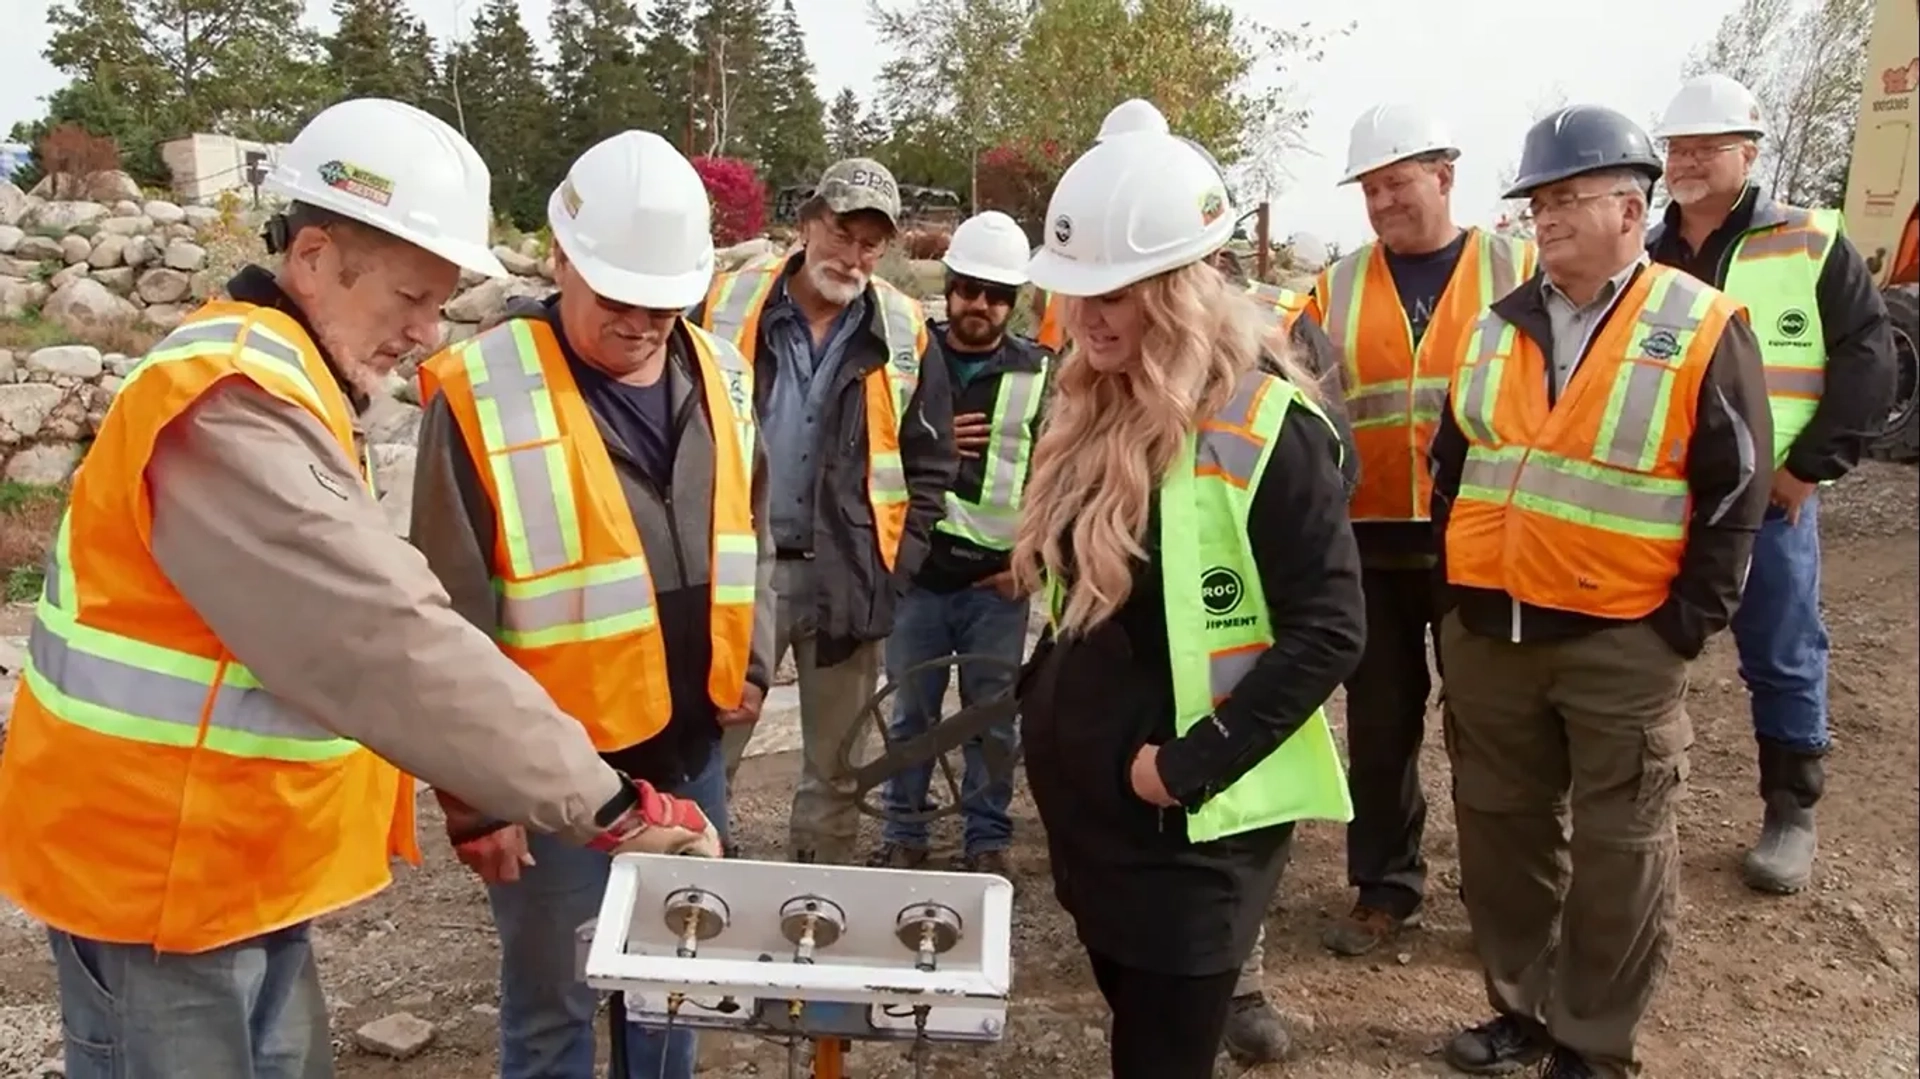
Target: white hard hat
point(1130, 116)
point(1385, 134)
point(1128, 210)
point(397, 169)
point(633, 217)
point(989, 246)
point(1711, 105)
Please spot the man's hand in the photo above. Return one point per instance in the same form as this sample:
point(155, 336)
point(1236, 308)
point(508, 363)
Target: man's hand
point(971, 433)
point(660, 824)
point(496, 857)
point(1145, 778)
point(1790, 492)
point(751, 698)
point(1003, 583)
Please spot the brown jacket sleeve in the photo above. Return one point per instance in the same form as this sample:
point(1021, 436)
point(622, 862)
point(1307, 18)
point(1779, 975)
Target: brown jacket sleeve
point(266, 528)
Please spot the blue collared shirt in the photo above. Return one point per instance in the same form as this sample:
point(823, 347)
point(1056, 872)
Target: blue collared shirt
point(803, 377)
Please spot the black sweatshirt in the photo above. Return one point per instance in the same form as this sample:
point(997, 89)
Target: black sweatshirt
point(1728, 472)
point(1861, 373)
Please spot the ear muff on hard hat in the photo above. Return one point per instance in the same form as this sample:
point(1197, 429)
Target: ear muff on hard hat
point(1388, 134)
point(1130, 209)
point(1580, 139)
point(989, 246)
point(1711, 105)
point(634, 220)
point(395, 168)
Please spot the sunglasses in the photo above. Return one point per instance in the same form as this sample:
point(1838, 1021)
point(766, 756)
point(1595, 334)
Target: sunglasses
point(615, 307)
point(970, 289)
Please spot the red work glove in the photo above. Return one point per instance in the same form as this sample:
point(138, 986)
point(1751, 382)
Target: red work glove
point(660, 824)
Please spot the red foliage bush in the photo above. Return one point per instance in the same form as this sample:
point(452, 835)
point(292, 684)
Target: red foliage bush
point(925, 241)
point(1018, 179)
point(70, 153)
point(739, 197)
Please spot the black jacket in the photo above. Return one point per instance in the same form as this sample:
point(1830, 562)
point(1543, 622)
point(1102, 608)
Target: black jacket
point(1140, 893)
point(1727, 475)
point(954, 563)
point(1861, 372)
point(855, 594)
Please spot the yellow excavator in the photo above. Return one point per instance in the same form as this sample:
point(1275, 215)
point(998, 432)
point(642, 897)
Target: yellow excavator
point(1883, 202)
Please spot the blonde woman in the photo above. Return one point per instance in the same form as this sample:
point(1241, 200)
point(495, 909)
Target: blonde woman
point(1186, 521)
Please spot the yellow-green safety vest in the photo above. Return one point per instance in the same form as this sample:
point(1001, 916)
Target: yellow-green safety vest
point(1775, 272)
point(991, 521)
point(1216, 610)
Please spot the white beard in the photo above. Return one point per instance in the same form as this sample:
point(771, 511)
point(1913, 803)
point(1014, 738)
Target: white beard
point(833, 290)
point(1688, 192)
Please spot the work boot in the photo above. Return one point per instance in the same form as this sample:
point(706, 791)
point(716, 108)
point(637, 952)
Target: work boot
point(897, 856)
point(1564, 1063)
point(1791, 781)
point(1255, 1032)
point(987, 861)
point(1500, 1046)
point(1364, 929)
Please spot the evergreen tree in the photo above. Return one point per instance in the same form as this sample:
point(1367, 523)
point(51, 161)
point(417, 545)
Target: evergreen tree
point(599, 84)
point(844, 136)
point(791, 141)
point(510, 116)
point(667, 63)
point(380, 50)
point(730, 44)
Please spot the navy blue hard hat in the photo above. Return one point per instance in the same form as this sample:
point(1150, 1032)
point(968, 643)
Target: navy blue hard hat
point(1580, 139)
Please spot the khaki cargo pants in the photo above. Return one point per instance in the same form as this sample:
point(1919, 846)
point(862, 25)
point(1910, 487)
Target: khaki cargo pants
point(1593, 732)
point(824, 824)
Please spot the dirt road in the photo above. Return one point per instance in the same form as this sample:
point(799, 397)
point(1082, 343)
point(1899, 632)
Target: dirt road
point(1821, 984)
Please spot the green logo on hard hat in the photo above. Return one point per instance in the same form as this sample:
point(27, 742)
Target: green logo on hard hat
point(1212, 205)
point(356, 181)
point(1220, 590)
point(1792, 323)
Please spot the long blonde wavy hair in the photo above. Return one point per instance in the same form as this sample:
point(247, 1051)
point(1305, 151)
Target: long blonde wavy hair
point(1109, 438)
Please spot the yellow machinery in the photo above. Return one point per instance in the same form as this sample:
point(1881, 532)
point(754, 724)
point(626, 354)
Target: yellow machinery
point(1883, 191)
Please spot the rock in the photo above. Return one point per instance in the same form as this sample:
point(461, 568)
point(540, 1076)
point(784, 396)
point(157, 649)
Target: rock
point(120, 365)
point(13, 204)
point(14, 297)
point(487, 299)
point(164, 286)
point(163, 212)
point(109, 250)
point(85, 305)
point(18, 267)
point(185, 255)
point(75, 249)
point(43, 463)
point(199, 217)
point(24, 407)
point(400, 1035)
point(110, 385)
point(112, 186)
point(393, 480)
point(468, 279)
point(138, 252)
point(10, 237)
point(75, 361)
point(126, 208)
point(63, 216)
point(516, 263)
point(71, 273)
point(179, 232)
point(127, 226)
point(37, 249)
point(388, 419)
point(119, 279)
point(6, 365)
point(739, 253)
point(53, 1068)
point(164, 316)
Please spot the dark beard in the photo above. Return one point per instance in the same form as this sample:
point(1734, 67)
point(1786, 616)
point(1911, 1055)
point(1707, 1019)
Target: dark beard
point(980, 342)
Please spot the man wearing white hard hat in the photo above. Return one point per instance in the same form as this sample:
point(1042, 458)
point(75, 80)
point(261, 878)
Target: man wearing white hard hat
point(1186, 524)
point(1828, 347)
point(588, 488)
point(963, 601)
point(232, 644)
point(1397, 311)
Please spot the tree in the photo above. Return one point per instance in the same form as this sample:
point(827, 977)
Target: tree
point(380, 50)
point(954, 59)
point(844, 137)
point(739, 198)
point(1803, 60)
point(600, 85)
point(731, 42)
point(667, 60)
point(510, 114)
point(791, 140)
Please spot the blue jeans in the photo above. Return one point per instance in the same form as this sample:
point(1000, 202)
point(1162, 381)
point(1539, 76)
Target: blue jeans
point(252, 1010)
point(546, 1011)
point(931, 625)
point(1779, 634)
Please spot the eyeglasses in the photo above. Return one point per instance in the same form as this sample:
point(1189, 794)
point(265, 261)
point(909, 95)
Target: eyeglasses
point(969, 288)
point(1699, 154)
point(615, 307)
point(1560, 204)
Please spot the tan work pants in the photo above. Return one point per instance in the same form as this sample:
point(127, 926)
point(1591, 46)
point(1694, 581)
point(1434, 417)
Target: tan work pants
point(824, 824)
point(1574, 934)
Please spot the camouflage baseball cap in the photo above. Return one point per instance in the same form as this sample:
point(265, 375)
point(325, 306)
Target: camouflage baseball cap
point(860, 183)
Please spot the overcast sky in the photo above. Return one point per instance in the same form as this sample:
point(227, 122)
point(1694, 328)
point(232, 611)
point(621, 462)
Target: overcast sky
point(1484, 64)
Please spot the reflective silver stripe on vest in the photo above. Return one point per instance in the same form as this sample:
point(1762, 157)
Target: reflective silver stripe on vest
point(1796, 381)
point(1788, 240)
point(575, 603)
point(1226, 446)
point(728, 315)
point(1475, 406)
point(995, 518)
point(1343, 294)
point(1539, 477)
point(1640, 406)
point(1390, 401)
point(1226, 669)
point(1503, 262)
point(517, 398)
point(900, 325)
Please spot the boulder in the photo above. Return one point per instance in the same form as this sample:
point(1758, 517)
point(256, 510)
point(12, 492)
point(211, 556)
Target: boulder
point(164, 316)
point(126, 208)
point(184, 255)
point(63, 216)
point(108, 250)
point(112, 186)
point(84, 305)
point(117, 278)
point(74, 361)
point(120, 365)
point(19, 267)
point(71, 273)
point(24, 407)
point(486, 300)
point(163, 212)
point(126, 226)
point(138, 252)
point(44, 464)
point(164, 286)
point(38, 249)
point(199, 217)
point(10, 237)
point(516, 263)
point(16, 296)
point(13, 203)
point(75, 249)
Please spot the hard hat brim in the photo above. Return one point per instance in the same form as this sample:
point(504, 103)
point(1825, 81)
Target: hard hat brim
point(654, 291)
point(1680, 131)
point(978, 271)
point(467, 256)
point(1356, 172)
point(1526, 185)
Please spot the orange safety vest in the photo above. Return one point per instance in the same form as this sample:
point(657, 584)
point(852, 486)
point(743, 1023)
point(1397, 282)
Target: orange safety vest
point(1583, 505)
point(576, 602)
point(1052, 334)
point(152, 791)
point(1283, 305)
point(731, 311)
point(1395, 391)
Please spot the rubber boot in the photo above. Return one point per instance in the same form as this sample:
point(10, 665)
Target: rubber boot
point(1791, 781)
point(1255, 1033)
